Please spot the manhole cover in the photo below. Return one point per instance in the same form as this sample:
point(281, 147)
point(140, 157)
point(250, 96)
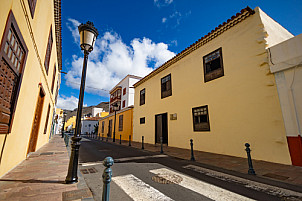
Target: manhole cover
point(167, 179)
point(88, 171)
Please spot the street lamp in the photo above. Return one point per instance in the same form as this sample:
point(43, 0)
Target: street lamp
point(115, 108)
point(88, 35)
point(64, 115)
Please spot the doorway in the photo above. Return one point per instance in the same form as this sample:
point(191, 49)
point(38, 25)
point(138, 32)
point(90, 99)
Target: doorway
point(161, 128)
point(36, 123)
point(110, 128)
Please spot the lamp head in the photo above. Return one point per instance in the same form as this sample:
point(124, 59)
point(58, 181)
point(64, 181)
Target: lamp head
point(88, 35)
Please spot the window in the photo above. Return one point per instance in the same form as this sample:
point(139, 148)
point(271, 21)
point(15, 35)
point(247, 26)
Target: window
point(47, 117)
point(124, 91)
point(53, 78)
point(103, 126)
point(142, 120)
point(57, 91)
point(120, 123)
point(166, 89)
point(213, 65)
point(201, 118)
point(13, 53)
point(32, 6)
point(48, 51)
point(142, 97)
point(124, 103)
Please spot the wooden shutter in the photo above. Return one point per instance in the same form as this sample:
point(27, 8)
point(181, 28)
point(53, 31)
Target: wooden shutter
point(48, 51)
point(8, 84)
point(32, 6)
point(53, 78)
point(47, 118)
point(13, 53)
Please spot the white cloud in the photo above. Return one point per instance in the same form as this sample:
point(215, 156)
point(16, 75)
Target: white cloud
point(164, 20)
point(174, 42)
point(111, 60)
point(71, 24)
point(68, 103)
point(161, 3)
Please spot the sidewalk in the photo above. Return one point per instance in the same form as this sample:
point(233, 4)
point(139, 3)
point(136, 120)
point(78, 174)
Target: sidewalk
point(41, 177)
point(287, 174)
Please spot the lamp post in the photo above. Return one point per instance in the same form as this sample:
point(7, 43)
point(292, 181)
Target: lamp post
point(115, 108)
point(88, 35)
point(64, 115)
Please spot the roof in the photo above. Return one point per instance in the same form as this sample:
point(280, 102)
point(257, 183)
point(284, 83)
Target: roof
point(92, 118)
point(128, 76)
point(235, 19)
point(58, 31)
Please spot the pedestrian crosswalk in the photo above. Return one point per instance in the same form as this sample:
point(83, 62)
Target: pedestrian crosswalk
point(138, 190)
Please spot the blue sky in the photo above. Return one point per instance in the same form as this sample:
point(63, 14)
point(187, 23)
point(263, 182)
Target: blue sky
point(136, 36)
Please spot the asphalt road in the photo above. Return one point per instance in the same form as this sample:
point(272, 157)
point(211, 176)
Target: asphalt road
point(143, 175)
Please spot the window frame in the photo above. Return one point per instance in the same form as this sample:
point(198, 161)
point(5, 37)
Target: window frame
point(166, 92)
point(142, 99)
point(32, 7)
point(48, 50)
point(212, 75)
point(53, 78)
point(11, 23)
point(47, 118)
point(195, 129)
point(103, 126)
point(120, 122)
point(142, 120)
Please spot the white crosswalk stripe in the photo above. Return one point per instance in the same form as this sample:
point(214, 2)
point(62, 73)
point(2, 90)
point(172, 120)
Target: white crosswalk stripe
point(208, 190)
point(138, 190)
point(272, 190)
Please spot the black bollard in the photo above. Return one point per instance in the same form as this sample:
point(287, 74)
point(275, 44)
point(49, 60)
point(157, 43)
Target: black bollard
point(120, 139)
point(108, 162)
point(129, 140)
point(143, 142)
point(161, 145)
point(249, 159)
point(192, 154)
point(102, 136)
point(107, 138)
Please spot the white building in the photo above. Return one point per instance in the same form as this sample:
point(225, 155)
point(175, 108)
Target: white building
point(97, 111)
point(286, 64)
point(88, 126)
point(123, 92)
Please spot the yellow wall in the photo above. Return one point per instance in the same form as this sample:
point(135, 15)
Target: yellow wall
point(71, 120)
point(15, 144)
point(104, 114)
point(127, 124)
point(243, 105)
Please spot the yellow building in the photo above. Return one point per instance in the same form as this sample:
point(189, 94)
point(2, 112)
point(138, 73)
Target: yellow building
point(219, 92)
point(123, 126)
point(70, 124)
point(30, 52)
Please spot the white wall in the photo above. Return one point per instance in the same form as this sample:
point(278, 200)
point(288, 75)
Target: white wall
point(286, 64)
point(85, 126)
point(96, 110)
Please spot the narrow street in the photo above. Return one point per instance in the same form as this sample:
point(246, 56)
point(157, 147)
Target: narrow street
point(144, 175)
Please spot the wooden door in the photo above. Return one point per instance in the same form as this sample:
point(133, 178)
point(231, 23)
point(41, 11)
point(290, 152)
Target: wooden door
point(36, 123)
point(158, 128)
point(161, 128)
